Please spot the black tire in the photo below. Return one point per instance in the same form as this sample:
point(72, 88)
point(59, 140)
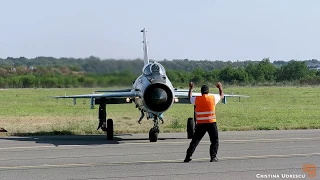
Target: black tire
point(153, 134)
point(109, 129)
point(190, 128)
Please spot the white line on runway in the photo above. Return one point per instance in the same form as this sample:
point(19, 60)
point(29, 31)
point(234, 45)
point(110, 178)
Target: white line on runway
point(235, 140)
point(155, 161)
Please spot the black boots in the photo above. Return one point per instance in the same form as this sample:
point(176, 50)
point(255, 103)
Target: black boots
point(188, 158)
point(214, 159)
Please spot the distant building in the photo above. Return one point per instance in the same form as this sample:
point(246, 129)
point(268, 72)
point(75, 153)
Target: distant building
point(30, 68)
point(314, 67)
point(13, 70)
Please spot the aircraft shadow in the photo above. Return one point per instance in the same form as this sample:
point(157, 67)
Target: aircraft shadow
point(68, 138)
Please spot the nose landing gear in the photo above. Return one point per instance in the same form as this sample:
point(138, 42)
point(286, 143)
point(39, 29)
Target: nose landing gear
point(154, 131)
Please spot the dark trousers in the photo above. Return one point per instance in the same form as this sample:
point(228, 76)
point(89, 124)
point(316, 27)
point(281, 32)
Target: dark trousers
point(200, 131)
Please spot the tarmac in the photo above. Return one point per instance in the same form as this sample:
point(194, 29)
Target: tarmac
point(288, 154)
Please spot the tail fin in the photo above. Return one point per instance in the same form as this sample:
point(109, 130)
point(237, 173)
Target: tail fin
point(145, 47)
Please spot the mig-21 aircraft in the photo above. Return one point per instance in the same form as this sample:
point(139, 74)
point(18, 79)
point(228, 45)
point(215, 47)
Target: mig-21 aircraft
point(152, 93)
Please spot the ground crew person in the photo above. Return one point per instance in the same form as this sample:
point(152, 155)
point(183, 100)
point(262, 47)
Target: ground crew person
point(205, 120)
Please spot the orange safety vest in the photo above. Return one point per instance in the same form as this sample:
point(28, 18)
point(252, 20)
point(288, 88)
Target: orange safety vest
point(205, 109)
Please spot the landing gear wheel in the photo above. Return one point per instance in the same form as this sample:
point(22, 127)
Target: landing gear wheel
point(190, 128)
point(110, 129)
point(153, 134)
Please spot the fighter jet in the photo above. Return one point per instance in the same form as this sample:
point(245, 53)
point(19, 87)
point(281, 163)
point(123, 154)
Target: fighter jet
point(152, 93)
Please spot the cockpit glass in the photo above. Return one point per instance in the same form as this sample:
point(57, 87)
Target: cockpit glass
point(154, 68)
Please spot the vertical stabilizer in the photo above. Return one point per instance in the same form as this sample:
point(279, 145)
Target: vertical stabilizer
point(145, 47)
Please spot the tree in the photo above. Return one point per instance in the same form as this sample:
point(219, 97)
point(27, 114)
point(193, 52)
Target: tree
point(267, 70)
point(227, 74)
point(294, 70)
point(251, 71)
point(198, 76)
point(28, 81)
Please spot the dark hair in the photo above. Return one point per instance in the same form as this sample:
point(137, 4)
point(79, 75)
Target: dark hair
point(204, 89)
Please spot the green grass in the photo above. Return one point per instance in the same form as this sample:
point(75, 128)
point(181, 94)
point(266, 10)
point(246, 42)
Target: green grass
point(30, 111)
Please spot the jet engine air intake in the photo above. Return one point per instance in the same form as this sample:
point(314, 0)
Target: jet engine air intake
point(158, 97)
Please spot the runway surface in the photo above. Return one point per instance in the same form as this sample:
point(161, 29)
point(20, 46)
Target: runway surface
point(243, 155)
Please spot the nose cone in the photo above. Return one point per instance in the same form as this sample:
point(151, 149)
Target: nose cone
point(159, 96)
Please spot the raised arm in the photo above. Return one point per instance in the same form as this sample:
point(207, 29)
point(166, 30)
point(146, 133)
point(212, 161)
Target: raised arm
point(219, 86)
point(190, 90)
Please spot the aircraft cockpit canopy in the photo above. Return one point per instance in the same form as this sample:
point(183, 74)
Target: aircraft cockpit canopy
point(154, 69)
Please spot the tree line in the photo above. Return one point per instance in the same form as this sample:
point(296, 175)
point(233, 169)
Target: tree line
point(103, 66)
point(45, 72)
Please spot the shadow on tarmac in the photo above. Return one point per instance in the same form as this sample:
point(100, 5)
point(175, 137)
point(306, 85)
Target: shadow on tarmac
point(67, 138)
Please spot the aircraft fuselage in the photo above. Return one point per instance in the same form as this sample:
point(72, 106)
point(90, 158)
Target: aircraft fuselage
point(156, 93)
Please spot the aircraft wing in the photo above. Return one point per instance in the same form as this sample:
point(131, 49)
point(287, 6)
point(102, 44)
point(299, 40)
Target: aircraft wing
point(183, 90)
point(110, 98)
point(119, 90)
point(182, 96)
point(105, 95)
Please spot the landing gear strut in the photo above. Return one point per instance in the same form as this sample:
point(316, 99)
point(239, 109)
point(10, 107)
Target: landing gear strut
point(105, 125)
point(141, 117)
point(153, 133)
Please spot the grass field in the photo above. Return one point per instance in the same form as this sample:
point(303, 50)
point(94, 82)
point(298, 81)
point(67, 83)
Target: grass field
point(30, 111)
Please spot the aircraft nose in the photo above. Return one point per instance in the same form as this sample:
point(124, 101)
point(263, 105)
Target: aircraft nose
point(159, 96)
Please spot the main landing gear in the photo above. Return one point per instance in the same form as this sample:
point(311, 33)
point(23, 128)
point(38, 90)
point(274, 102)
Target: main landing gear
point(105, 125)
point(191, 123)
point(190, 128)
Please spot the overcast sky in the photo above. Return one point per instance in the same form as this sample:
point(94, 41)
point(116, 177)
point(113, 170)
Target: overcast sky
point(177, 29)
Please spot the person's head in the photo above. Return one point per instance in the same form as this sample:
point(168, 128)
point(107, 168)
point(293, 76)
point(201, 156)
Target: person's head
point(204, 89)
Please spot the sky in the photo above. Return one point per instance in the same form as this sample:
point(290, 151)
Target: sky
point(227, 30)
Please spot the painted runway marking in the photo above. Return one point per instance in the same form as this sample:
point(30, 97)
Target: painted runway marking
point(235, 140)
point(153, 161)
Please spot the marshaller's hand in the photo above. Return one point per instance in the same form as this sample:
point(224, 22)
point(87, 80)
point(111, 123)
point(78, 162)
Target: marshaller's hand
point(219, 85)
point(191, 85)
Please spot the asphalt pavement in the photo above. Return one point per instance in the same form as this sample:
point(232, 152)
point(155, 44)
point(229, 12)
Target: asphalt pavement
point(243, 155)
